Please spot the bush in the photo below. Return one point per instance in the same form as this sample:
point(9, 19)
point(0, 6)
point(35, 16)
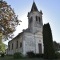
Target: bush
point(57, 55)
point(39, 55)
point(30, 54)
point(2, 55)
point(17, 55)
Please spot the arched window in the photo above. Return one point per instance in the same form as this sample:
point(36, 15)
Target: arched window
point(36, 18)
point(39, 19)
point(30, 20)
point(9, 47)
point(12, 45)
point(20, 44)
point(16, 44)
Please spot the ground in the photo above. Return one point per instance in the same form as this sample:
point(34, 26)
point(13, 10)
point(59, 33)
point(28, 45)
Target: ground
point(11, 58)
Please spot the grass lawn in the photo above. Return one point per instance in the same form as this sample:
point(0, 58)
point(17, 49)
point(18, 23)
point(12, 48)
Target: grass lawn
point(11, 58)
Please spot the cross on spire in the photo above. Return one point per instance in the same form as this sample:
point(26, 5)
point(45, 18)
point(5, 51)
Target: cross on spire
point(33, 0)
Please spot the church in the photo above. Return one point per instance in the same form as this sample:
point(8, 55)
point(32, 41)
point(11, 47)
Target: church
point(31, 39)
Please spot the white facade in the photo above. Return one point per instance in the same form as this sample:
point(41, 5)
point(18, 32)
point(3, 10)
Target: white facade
point(31, 42)
point(30, 39)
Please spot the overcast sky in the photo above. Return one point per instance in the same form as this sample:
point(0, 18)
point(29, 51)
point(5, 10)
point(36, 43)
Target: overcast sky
point(50, 9)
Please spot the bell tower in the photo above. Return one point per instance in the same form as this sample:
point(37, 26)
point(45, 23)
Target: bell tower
point(35, 19)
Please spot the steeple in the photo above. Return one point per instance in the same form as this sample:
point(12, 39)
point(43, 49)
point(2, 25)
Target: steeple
point(35, 19)
point(34, 7)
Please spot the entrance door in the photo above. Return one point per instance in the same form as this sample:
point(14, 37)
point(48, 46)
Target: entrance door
point(40, 48)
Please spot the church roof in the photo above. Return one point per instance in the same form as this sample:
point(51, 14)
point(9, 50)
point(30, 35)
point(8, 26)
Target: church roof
point(34, 7)
point(20, 34)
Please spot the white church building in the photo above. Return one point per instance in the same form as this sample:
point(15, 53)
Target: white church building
point(30, 39)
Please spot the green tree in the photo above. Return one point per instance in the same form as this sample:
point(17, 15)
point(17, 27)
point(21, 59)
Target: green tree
point(8, 22)
point(2, 47)
point(8, 19)
point(49, 52)
point(56, 46)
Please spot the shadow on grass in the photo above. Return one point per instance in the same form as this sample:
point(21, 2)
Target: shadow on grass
point(11, 58)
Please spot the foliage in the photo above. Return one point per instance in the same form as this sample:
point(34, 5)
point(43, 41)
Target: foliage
point(39, 55)
point(11, 58)
point(49, 52)
point(30, 54)
point(56, 46)
point(17, 55)
point(2, 55)
point(2, 47)
point(8, 19)
point(57, 55)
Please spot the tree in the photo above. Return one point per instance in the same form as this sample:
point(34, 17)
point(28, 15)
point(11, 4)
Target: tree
point(56, 46)
point(2, 47)
point(8, 19)
point(49, 52)
point(8, 22)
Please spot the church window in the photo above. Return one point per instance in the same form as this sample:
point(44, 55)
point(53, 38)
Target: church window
point(39, 19)
point(39, 40)
point(20, 44)
point(36, 18)
point(16, 44)
point(30, 20)
point(9, 47)
point(12, 45)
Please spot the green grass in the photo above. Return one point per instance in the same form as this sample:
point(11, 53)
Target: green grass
point(11, 58)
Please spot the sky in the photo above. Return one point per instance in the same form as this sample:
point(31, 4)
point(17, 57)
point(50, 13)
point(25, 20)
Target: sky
point(50, 9)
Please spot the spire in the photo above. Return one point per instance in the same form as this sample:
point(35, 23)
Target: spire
point(34, 7)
